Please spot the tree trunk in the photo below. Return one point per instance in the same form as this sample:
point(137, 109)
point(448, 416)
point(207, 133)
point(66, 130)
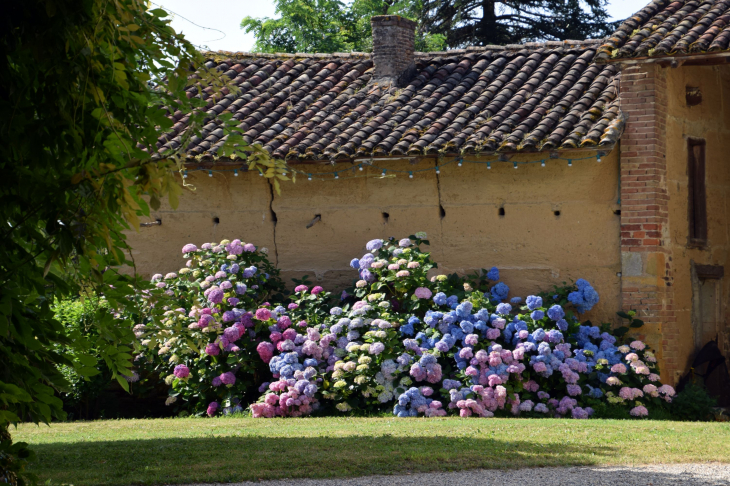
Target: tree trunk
point(486, 29)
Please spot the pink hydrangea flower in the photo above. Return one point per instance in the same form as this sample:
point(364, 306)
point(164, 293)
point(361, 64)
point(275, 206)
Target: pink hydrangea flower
point(613, 381)
point(423, 293)
point(638, 345)
point(263, 314)
point(189, 248)
point(265, 350)
point(316, 290)
point(301, 288)
point(228, 378)
point(181, 371)
point(639, 411)
point(212, 349)
point(212, 409)
point(618, 368)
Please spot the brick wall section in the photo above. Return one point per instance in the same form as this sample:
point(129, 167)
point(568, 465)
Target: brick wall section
point(646, 282)
point(394, 39)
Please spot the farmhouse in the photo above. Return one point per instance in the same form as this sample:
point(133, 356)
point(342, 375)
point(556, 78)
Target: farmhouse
point(602, 160)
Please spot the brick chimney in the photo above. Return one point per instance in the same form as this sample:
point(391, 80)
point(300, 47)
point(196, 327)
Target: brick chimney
point(393, 47)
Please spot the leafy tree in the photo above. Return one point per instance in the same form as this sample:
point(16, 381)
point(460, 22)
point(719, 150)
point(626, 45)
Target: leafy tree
point(85, 88)
point(483, 22)
point(331, 25)
point(335, 26)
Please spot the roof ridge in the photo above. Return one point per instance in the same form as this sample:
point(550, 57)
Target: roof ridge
point(354, 54)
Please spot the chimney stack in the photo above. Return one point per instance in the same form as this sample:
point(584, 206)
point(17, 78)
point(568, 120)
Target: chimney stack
point(394, 40)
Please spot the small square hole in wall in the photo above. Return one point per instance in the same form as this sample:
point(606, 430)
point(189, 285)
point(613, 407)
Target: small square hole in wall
point(386, 217)
point(693, 96)
point(501, 211)
point(216, 220)
point(557, 213)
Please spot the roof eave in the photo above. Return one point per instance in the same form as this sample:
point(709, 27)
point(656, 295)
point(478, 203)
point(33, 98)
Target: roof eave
point(209, 161)
point(676, 60)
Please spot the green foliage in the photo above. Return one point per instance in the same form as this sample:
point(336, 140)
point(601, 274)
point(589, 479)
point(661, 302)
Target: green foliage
point(622, 332)
point(338, 26)
point(693, 403)
point(331, 26)
point(14, 459)
point(479, 22)
point(78, 317)
point(87, 86)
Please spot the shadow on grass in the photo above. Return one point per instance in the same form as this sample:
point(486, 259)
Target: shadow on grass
point(233, 459)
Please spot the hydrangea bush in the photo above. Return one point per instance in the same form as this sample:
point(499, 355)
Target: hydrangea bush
point(199, 334)
point(401, 339)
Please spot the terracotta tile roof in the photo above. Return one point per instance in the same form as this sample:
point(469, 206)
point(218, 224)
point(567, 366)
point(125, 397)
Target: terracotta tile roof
point(534, 97)
point(665, 28)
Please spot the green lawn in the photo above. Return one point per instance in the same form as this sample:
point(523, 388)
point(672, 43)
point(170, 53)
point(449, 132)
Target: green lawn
point(235, 449)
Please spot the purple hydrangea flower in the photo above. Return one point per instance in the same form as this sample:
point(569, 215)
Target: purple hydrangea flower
point(215, 296)
point(228, 378)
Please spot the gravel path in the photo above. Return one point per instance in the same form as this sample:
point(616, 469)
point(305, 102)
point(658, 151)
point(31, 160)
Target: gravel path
point(674, 474)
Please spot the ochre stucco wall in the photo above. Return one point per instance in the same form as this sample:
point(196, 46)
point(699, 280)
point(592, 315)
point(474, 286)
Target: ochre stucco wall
point(534, 248)
point(709, 120)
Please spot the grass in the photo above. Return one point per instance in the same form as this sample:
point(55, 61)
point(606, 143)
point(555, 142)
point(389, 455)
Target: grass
point(116, 452)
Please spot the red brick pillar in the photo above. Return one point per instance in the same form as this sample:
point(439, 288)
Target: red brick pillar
point(646, 257)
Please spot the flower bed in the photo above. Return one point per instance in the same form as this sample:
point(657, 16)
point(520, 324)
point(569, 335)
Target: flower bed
point(398, 340)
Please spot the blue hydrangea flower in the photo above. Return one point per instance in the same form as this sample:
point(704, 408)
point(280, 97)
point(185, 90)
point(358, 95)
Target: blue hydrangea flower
point(504, 309)
point(500, 291)
point(562, 325)
point(556, 312)
point(515, 300)
point(373, 245)
point(467, 327)
point(440, 298)
point(538, 335)
point(533, 302)
point(464, 309)
point(493, 274)
point(537, 315)
point(355, 263)
point(585, 298)
point(555, 336)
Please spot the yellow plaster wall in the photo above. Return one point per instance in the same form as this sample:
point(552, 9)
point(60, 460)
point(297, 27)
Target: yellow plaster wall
point(709, 120)
point(534, 248)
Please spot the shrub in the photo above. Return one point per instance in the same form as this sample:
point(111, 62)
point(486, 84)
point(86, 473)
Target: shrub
point(95, 394)
point(400, 341)
point(77, 316)
point(196, 333)
point(693, 403)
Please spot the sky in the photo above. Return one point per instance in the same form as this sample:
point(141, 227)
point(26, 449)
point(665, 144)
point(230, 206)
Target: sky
point(215, 24)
